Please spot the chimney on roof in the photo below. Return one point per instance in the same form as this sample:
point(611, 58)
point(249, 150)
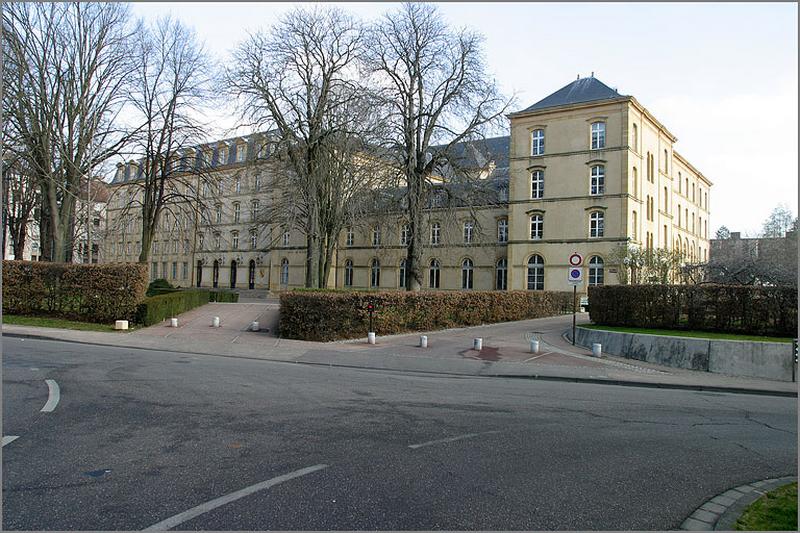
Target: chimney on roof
point(736, 235)
point(592, 74)
point(579, 76)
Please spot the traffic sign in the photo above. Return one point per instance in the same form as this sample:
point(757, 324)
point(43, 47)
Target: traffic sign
point(576, 259)
point(575, 276)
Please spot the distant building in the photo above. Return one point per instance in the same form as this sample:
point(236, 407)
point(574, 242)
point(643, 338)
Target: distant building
point(585, 170)
point(759, 260)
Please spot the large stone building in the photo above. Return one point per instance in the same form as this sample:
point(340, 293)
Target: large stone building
point(584, 170)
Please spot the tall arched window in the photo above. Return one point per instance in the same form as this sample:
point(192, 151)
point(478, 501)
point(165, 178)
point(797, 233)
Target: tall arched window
point(375, 274)
point(466, 274)
point(536, 273)
point(348, 273)
point(285, 272)
point(402, 280)
point(199, 273)
point(434, 274)
point(233, 271)
point(215, 274)
point(635, 183)
point(502, 230)
point(635, 226)
point(251, 275)
point(501, 275)
point(596, 224)
point(237, 211)
point(596, 270)
point(537, 184)
point(666, 162)
point(666, 201)
point(597, 183)
point(635, 138)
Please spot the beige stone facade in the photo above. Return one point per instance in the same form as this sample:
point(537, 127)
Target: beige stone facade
point(584, 170)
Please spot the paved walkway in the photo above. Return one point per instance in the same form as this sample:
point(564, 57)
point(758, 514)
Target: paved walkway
point(506, 349)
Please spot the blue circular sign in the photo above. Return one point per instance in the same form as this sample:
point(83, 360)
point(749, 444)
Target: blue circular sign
point(575, 273)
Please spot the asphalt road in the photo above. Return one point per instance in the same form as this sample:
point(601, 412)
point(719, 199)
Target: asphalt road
point(139, 436)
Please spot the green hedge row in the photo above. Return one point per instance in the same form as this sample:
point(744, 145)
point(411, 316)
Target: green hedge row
point(92, 293)
point(154, 309)
point(331, 315)
point(752, 310)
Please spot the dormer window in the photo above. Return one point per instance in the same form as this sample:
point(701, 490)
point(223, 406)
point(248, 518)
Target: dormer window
point(598, 135)
point(222, 158)
point(240, 153)
point(537, 142)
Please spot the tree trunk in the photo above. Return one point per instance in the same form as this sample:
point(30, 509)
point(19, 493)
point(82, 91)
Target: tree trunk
point(415, 279)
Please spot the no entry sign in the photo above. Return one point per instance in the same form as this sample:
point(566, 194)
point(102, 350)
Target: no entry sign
point(576, 259)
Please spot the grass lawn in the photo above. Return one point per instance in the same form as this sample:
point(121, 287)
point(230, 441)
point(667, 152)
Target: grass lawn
point(696, 334)
point(47, 322)
point(775, 511)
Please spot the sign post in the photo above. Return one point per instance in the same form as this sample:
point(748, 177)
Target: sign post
point(575, 278)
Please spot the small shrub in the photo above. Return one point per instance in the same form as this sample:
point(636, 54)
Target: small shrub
point(159, 286)
point(224, 296)
point(331, 315)
point(154, 309)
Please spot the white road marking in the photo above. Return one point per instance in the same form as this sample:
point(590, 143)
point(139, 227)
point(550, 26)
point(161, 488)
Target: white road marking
point(8, 439)
point(53, 396)
point(450, 439)
point(233, 496)
point(536, 357)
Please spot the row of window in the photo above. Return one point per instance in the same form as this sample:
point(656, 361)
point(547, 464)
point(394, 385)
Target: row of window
point(468, 234)
point(596, 225)
point(535, 273)
point(165, 272)
point(597, 138)
point(597, 182)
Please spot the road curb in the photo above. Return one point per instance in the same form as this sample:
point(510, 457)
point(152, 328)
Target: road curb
point(721, 512)
point(596, 381)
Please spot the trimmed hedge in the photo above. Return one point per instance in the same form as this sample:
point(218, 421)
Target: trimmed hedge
point(154, 309)
point(91, 293)
point(747, 309)
point(332, 315)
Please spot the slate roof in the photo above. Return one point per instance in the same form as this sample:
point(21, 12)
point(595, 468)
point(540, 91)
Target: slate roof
point(477, 154)
point(579, 91)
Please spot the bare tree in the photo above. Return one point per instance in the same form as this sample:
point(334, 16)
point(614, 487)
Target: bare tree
point(20, 196)
point(780, 220)
point(438, 95)
point(171, 79)
point(63, 75)
point(300, 81)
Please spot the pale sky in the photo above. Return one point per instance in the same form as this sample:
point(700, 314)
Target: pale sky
point(721, 77)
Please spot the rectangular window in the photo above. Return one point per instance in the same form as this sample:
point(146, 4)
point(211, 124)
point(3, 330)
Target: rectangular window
point(435, 233)
point(235, 241)
point(537, 142)
point(286, 238)
point(219, 214)
point(185, 270)
point(240, 152)
point(237, 211)
point(537, 184)
point(253, 240)
point(217, 241)
point(223, 156)
point(257, 183)
point(598, 135)
point(174, 270)
point(254, 210)
point(596, 225)
point(404, 234)
point(502, 230)
point(349, 239)
point(376, 236)
point(537, 227)
point(468, 232)
point(597, 184)
point(154, 273)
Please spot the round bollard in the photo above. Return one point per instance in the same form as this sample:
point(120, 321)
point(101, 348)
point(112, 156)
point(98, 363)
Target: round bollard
point(173, 322)
point(423, 341)
point(534, 346)
point(597, 349)
point(215, 322)
point(477, 344)
point(371, 337)
point(254, 326)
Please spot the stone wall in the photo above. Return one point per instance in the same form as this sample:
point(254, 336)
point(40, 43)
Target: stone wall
point(769, 360)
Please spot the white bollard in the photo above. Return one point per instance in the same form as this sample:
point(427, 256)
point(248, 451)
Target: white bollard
point(215, 322)
point(423, 341)
point(477, 344)
point(121, 324)
point(371, 337)
point(173, 322)
point(534, 346)
point(254, 326)
point(597, 349)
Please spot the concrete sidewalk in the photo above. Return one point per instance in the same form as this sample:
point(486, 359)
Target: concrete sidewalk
point(506, 350)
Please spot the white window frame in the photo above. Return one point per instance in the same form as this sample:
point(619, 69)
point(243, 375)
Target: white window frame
point(436, 233)
point(237, 211)
point(434, 273)
point(467, 274)
point(253, 240)
point(596, 270)
point(501, 274)
point(535, 273)
point(596, 224)
point(284, 272)
point(405, 232)
point(597, 180)
point(376, 236)
point(375, 274)
point(286, 237)
point(349, 237)
point(537, 184)
point(502, 230)
point(537, 142)
point(537, 227)
point(598, 131)
point(348, 273)
point(468, 232)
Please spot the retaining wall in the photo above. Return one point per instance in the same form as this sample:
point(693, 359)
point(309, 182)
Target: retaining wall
point(770, 360)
